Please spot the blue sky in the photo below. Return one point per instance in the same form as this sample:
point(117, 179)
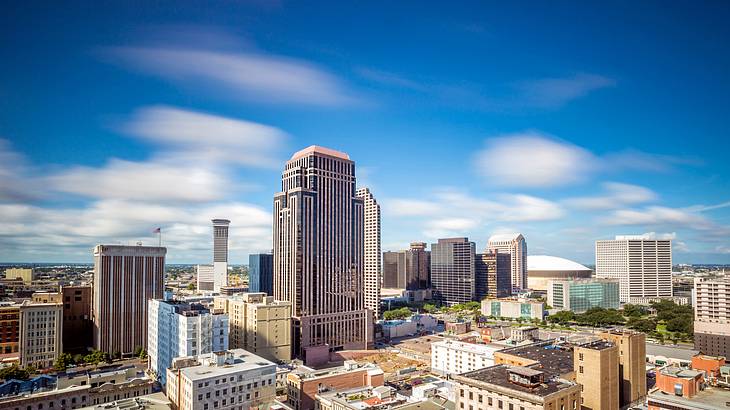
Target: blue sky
point(568, 122)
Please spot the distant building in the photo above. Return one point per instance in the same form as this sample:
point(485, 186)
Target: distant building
point(205, 278)
point(513, 308)
point(642, 265)
point(541, 269)
point(712, 316)
point(125, 278)
point(259, 324)
point(493, 275)
point(454, 357)
point(319, 234)
point(452, 270)
point(77, 324)
point(515, 245)
point(9, 327)
point(372, 257)
point(303, 384)
point(579, 295)
point(409, 269)
point(26, 274)
point(261, 273)
point(227, 379)
point(182, 329)
point(41, 334)
point(514, 387)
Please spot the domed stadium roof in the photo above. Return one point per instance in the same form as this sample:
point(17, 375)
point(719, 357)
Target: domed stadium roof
point(553, 263)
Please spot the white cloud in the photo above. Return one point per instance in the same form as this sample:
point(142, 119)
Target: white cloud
point(532, 159)
point(200, 137)
point(658, 216)
point(616, 195)
point(555, 92)
point(241, 75)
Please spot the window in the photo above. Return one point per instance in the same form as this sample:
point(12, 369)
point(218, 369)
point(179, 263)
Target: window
point(580, 369)
point(461, 393)
point(580, 356)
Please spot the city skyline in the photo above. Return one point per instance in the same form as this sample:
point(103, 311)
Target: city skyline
point(566, 133)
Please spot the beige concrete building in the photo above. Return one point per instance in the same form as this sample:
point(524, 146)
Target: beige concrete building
point(125, 278)
point(515, 245)
point(47, 297)
point(373, 261)
point(514, 387)
point(712, 316)
point(596, 369)
point(258, 324)
point(632, 364)
point(41, 333)
point(319, 250)
point(26, 274)
point(233, 379)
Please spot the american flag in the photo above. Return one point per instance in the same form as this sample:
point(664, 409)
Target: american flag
point(157, 230)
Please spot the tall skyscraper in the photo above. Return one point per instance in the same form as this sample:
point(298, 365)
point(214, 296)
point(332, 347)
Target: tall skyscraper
point(452, 270)
point(372, 263)
point(712, 315)
point(642, 265)
point(319, 251)
point(515, 245)
point(261, 273)
point(125, 278)
point(409, 269)
point(492, 275)
point(220, 253)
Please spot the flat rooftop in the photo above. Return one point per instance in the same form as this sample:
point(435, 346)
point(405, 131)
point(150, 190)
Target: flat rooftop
point(554, 359)
point(242, 361)
point(670, 352)
point(711, 398)
point(498, 375)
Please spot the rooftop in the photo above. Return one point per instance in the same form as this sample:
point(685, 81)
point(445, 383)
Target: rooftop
point(468, 347)
point(551, 358)
point(671, 352)
point(316, 149)
point(237, 360)
point(711, 398)
point(553, 263)
point(498, 376)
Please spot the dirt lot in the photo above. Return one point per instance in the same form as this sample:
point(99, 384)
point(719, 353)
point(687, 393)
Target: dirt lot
point(391, 362)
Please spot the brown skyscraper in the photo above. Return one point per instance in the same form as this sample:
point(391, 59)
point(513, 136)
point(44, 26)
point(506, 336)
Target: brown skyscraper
point(409, 269)
point(319, 251)
point(125, 277)
point(493, 275)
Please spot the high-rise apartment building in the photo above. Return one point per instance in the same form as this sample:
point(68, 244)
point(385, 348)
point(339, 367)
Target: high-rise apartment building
point(232, 379)
point(125, 278)
point(77, 325)
point(493, 275)
point(41, 333)
point(596, 370)
point(258, 324)
point(642, 265)
point(372, 256)
point(452, 270)
point(409, 269)
point(631, 364)
point(261, 273)
point(515, 245)
point(319, 251)
point(712, 316)
point(178, 329)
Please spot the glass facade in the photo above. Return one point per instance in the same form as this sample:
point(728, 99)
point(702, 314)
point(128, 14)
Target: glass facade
point(589, 294)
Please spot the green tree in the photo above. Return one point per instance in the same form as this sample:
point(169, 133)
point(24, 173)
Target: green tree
point(563, 317)
point(395, 314)
point(429, 308)
point(191, 286)
point(13, 372)
point(62, 362)
point(142, 354)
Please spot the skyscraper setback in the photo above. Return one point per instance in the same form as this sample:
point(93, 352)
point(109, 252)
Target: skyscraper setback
point(125, 278)
point(372, 263)
point(319, 251)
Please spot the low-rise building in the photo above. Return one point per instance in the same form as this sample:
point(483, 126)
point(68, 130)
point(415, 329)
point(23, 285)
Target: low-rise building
point(514, 387)
point(259, 324)
point(27, 275)
point(303, 383)
point(457, 328)
point(453, 357)
point(494, 333)
point(579, 295)
point(228, 379)
point(416, 324)
point(41, 333)
point(9, 328)
point(521, 334)
point(513, 308)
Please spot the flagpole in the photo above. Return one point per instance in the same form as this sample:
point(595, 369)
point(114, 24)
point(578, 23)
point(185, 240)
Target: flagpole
point(159, 238)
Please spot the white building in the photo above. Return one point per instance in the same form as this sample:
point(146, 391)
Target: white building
point(373, 261)
point(41, 333)
point(233, 379)
point(205, 278)
point(452, 356)
point(516, 246)
point(513, 308)
point(641, 264)
point(712, 315)
point(178, 329)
